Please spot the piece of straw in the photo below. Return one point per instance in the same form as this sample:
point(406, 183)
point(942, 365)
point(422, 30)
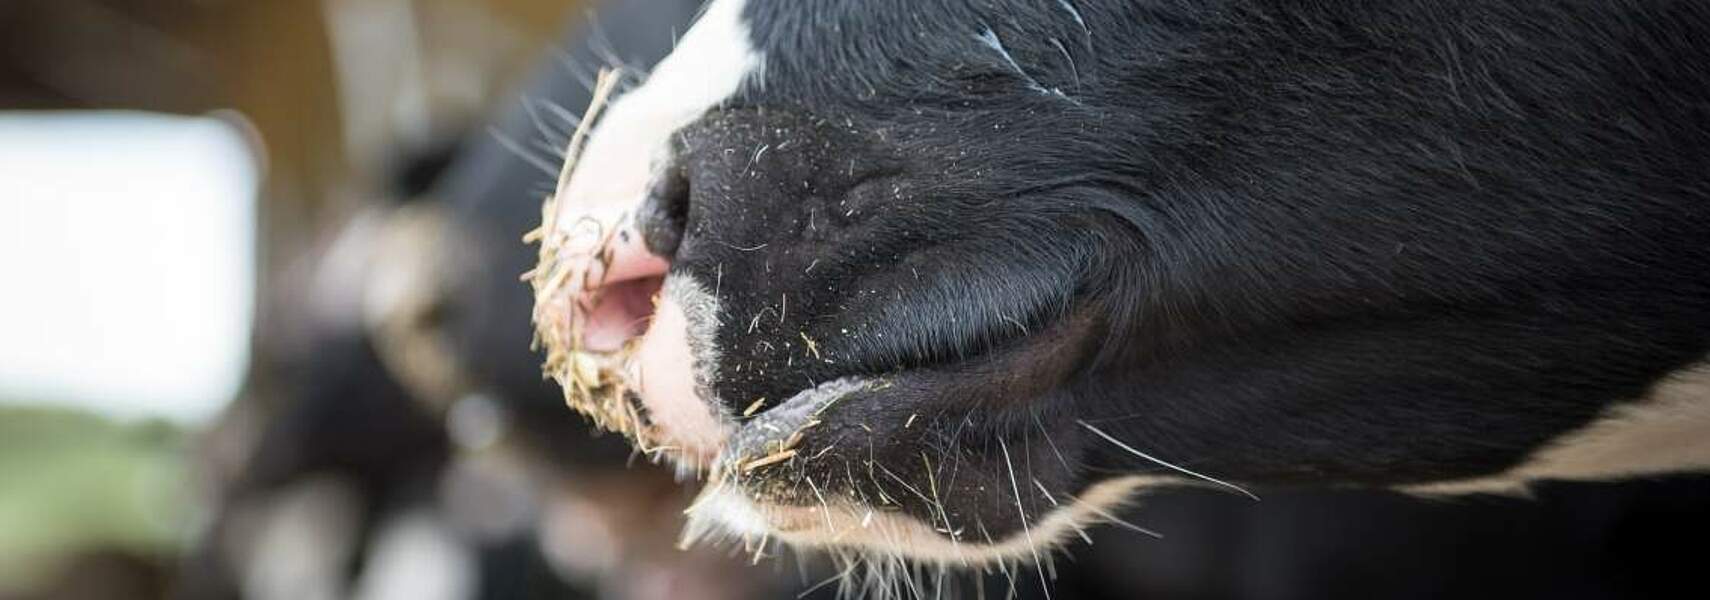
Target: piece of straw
point(593, 384)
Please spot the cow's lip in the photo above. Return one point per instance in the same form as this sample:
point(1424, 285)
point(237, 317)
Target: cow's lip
point(619, 312)
point(773, 436)
point(667, 388)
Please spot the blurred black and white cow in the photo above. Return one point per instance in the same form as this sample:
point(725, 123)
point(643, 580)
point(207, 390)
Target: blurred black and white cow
point(951, 280)
point(387, 448)
point(446, 308)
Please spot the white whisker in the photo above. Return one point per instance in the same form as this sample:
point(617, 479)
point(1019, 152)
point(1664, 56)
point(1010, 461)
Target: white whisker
point(549, 135)
point(522, 152)
point(1118, 520)
point(1154, 459)
point(1025, 528)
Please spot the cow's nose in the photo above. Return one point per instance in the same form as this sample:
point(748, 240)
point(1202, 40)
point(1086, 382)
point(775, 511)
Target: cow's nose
point(664, 213)
point(617, 243)
point(636, 257)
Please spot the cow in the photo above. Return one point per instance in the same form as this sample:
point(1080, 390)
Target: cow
point(950, 281)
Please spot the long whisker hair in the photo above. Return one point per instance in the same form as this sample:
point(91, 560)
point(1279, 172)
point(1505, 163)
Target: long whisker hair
point(1131, 450)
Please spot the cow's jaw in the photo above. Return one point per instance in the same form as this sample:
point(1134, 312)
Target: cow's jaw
point(766, 452)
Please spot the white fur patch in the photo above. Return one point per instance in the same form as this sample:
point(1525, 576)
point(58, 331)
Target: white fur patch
point(709, 65)
point(724, 511)
point(1666, 432)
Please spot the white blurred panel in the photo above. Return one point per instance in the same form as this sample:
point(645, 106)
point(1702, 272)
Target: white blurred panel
point(127, 261)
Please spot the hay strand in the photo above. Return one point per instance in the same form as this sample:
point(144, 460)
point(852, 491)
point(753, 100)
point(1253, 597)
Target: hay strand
point(593, 384)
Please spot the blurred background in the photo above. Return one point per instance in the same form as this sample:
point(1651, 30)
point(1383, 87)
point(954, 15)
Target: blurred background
point(190, 193)
point(261, 336)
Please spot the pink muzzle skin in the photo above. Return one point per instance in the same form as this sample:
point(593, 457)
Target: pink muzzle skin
point(615, 294)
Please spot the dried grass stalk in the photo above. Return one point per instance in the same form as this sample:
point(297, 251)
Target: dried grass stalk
point(593, 384)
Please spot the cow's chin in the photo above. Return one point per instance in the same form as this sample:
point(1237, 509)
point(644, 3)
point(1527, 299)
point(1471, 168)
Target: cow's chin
point(726, 513)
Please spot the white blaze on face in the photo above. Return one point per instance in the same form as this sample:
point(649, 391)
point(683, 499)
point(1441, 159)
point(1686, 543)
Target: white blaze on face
point(707, 67)
point(597, 204)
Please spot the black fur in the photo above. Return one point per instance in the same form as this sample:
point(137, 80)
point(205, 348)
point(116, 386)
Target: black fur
point(1274, 242)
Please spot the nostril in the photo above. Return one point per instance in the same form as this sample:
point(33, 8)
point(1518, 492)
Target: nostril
point(664, 214)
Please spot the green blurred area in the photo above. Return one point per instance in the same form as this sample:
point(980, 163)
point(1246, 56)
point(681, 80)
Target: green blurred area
point(72, 481)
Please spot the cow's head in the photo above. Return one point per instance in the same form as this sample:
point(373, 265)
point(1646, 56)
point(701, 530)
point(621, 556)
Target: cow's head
point(950, 282)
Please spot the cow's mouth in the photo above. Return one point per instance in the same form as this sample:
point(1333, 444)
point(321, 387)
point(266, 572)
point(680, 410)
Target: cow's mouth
point(618, 313)
point(632, 352)
point(627, 340)
point(604, 313)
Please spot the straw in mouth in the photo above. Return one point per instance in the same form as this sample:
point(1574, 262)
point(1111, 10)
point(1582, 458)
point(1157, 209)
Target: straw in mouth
point(598, 385)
